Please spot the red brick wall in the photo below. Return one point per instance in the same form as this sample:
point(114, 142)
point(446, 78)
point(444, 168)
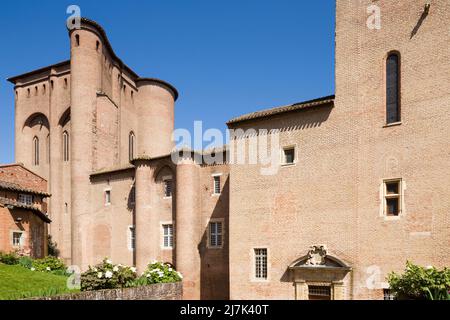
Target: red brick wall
point(17, 174)
point(32, 226)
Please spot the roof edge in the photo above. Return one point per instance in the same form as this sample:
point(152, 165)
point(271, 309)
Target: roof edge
point(282, 109)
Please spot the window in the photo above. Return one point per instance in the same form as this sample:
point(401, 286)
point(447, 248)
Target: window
point(167, 235)
point(168, 188)
point(66, 151)
point(392, 196)
point(36, 151)
point(131, 238)
point(131, 146)
point(217, 184)
point(319, 292)
point(48, 148)
point(26, 199)
point(77, 40)
point(393, 88)
point(17, 239)
point(107, 197)
point(261, 264)
point(388, 295)
point(215, 234)
point(289, 155)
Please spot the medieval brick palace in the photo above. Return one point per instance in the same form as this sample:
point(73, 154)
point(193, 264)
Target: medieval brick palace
point(363, 186)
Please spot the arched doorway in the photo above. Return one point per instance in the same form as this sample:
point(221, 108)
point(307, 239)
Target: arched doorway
point(319, 276)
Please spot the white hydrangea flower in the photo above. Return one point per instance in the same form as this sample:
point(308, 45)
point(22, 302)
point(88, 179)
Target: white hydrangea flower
point(99, 275)
point(33, 269)
point(133, 269)
point(48, 269)
point(108, 274)
point(108, 261)
point(116, 268)
point(148, 275)
point(179, 274)
point(95, 269)
point(429, 267)
point(170, 269)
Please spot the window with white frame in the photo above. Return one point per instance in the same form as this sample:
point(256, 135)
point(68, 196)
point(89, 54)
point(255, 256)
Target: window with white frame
point(392, 197)
point(168, 236)
point(216, 180)
point(17, 239)
point(260, 263)
point(167, 188)
point(107, 197)
point(26, 199)
point(288, 155)
point(131, 237)
point(215, 234)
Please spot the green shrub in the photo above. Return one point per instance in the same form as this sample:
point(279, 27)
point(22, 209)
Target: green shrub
point(26, 262)
point(49, 264)
point(9, 258)
point(107, 275)
point(421, 283)
point(158, 272)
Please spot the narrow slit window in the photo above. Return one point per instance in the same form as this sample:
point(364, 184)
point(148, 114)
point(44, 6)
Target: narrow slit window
point(36, 151)
point(66, 150)
point(393, 88)
point(131, 145)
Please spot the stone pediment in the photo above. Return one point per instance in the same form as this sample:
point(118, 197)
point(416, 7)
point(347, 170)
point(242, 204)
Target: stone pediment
point(318, 258)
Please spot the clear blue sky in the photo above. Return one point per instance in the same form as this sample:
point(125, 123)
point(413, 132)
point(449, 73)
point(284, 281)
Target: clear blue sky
point(226, 57)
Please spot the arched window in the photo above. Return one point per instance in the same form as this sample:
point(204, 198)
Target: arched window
point(131, 145)
point(36, 151)
point(393, 88)
point(65, 146)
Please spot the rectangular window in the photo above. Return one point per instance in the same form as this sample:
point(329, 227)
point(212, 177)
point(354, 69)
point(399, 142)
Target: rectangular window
point(132, 238)
point(168, 188)
point(26, 199)
point(289, 155)
point(261, 264)
point(215, 234)
point(388, 295)
point(393, 199)
point(17, 239)
point(319, 292)
point(216, 184)
point(167, 235)
point(107, 197)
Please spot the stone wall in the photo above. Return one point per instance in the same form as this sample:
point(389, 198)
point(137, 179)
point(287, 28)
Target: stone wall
point(161, 291)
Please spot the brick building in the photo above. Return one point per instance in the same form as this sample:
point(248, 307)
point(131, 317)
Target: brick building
point(23, 211)
point(361, 188)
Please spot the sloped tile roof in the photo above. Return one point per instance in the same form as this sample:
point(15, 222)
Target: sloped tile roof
point(15, 187)
point(9, 202)
point(274, 111)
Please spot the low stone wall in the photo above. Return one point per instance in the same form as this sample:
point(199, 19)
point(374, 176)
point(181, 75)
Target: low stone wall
point(161, 291)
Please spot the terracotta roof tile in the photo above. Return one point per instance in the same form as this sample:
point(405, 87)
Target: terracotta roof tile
point(274, 111)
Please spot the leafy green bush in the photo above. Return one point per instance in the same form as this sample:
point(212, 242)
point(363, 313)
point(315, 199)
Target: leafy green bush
point(158, 272)
point(107, 275)
point(9, 258)
point(421, 283)
point(49, 264)
point(25, 262)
